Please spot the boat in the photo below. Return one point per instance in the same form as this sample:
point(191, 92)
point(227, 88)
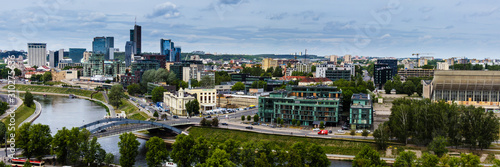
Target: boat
point(71, 96)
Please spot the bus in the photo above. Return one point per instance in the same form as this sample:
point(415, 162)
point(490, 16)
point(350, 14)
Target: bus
point(18, 162)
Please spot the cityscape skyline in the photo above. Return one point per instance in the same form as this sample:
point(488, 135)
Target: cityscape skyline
point(381, 29)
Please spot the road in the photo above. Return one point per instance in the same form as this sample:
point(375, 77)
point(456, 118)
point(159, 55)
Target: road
point(366, 77)
point(17, 102)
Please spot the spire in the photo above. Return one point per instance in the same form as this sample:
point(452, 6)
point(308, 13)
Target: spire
point(135, 23)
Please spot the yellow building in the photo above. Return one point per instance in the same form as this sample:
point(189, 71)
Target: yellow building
point(269, 62)
point(58, 75)
point(206, 97)
point(177, 101)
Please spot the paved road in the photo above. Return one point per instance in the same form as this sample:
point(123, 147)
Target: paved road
point(17, 102)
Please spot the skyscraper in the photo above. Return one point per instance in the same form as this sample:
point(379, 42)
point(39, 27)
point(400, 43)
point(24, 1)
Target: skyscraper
point(76, 54)
point(101, 45)
point(129, 52)
point(167, 48)
point(37, 54)
point(135, 35)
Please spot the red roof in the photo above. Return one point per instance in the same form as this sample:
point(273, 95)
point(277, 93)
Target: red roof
point(292, 77)
point(315, 80)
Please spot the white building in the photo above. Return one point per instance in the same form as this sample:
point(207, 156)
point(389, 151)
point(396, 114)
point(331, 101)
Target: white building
point(206, 97)
point(443, 66)
point(347, 59)
point(177, 101)
point(37, 54)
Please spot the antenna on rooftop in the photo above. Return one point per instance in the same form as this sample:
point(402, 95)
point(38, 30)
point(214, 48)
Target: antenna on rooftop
point(135, 23)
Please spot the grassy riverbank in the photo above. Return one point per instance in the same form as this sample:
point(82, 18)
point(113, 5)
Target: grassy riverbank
point(331, 146)
point(22, 113)
point(61, 90)
point(131, 111)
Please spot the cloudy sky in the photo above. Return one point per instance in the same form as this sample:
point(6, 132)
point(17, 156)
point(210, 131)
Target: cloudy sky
point(387, 28)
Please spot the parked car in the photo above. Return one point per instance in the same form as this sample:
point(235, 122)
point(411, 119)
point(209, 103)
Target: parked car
point(176, 117)
point(225, 124)
point(316, 130)
point(249, 127)
point(323, 132)
point(330, 131)
point(102, 130)
point(255, 123)
point(273, 126)
point(345, 128)
point(209, 116)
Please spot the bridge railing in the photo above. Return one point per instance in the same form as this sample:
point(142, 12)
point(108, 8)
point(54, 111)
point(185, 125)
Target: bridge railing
point(121, 121)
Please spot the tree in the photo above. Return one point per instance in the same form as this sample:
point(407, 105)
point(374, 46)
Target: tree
point(39, 141)
point(321, 125)
point(157, 151)
point(194, 83)
point(22, 138)
point(182, 150)
point(256, 118)
point(262, 161)
point(429, 160)
point(183, 84)
point(3, 130)
point(298, 122)
point(115, 95)
point(406, 158)
point(294, 121)
point(316, 156)
point(381, 135)
point(278, 72)
point(93, 152)
point(259, 84)
point(60, 145)
point(364, 133)
point(193, 107)
point(282, 122)
point(47, 76)
point(438, 145)
point(28, 99)
point(107, 81)
point(232, 147)
point(388, 87)
point(109, 158)
point(157, 94)
point(238, 86)
point(215, 122)
point(17, 72)
point(207, 82)
point(219, 158)
point(128, 149)
point(133, 89)
point(242, 118)
point(367, 157)
point(249, 118)
point(353, 132)
point(370, 85)
point(201, 150)
point(469, 160)
point(156, 114)
point(409, 88)
point(27, 163)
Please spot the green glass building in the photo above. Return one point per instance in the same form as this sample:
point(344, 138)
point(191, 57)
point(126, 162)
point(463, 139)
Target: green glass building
point(361, 113)
point(308, 104)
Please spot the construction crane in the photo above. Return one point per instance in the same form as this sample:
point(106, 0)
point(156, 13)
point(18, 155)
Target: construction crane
point(417, 54)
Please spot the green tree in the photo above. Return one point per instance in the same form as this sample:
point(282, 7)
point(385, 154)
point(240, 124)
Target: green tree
point(406, 158)
point(22, 138)
point(256, 118)
point(352, 133)
point(27, 163)
point(219, 158)
point(278, 72)
point(157, 94)
point(115, 95)
point(156, 114)
point(183, 84)
point(201, 150)
point(232, 147)
point(193, 107)
point(17, 72)
point(367, 157)
point(207, 82)
point(215, 122)
point(496, 163)
point(3, 130)
point(370, 85)
point(249, 118)
point(242, 118)
point(438, 145)
point(409, 88)
point(365, 133)
point(28, 99)
point(429, 160)
point(294, 121)
point(316, 156)
point(39, 141)
point(298, 122)
point(129, 146)
point(109, 158)
point(262, 161)
point(182, 150)
point(238, 86)
point(259, 84)
point(157, 151)
point(381, 135)
point(282, 122)
point(247, 154)
point(321, 125)
point(60, 145)
point(47, 76)
point(92, 153)
point(297, 154)
point(133, 89)
point(469, 160)
point(194, 83)
point(388, 87)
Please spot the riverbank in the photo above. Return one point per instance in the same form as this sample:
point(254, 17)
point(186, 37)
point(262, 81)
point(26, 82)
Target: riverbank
point(59, 90)
point(35, 115)
point(21, 114)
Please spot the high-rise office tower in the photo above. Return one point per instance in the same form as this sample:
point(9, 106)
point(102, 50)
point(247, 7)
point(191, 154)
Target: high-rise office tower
point(129, 52)
point(76, 54)
point(135, 35)
point(52, 60)
point(101, 45)
point(177, 54)
point(37, 54)
point(165, 49)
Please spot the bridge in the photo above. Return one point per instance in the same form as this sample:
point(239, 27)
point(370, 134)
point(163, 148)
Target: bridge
point(115, 126)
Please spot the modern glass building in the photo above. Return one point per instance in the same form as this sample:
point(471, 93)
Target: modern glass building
point(76, 54)
point(393, 63)
point(135, 35)
point(178, 67)
point(381, 74)
point(361, 112)
point(101, 45)
point(97, 65)
point(307, 104)
point(144, 65)
point(129, 51)
point(167, 48)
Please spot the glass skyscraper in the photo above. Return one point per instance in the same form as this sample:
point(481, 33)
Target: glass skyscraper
point(135, 35)
point(76, 54)
point(129, 51)
point(101, 45)
point(167, 48)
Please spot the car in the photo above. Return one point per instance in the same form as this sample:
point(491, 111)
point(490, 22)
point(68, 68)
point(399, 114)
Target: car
point(359, 131)
point(341, 131)
point(323, 132)
point(102, 130)
point(255, 123)
point(225, 124)
point(273, 126)
point(249, 127)
point(176, 117)
point(345, 128)
point(330, 131)
point(316, 130)
point(209, 116)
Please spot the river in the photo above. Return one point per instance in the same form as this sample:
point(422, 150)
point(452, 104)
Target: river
point(61, 111)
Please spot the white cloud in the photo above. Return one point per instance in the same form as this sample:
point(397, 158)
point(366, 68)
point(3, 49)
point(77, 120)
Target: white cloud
point(167, 10)
point(385, 36)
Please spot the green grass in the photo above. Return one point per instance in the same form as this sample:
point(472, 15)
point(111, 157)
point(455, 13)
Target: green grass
point(331, 146)
point(52, 89)
point(101, 104)
point(138, 116)
point(128, 107)
point(22, 113)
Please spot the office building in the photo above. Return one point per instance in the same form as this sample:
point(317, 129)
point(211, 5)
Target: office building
point(86, 56)
point(52, 59)
point(240, 77)
point(97, 65)
point(392, 63)
point(307, 104)
point(135, 35)
point(76, 54)
point(61, 65)
point(303, 67)
point(37, 54)
point(361, 112)
point(102, 45)
point(347, 59)
point(144, 65)
point(268, 63)
point(381, 74)
point(130, 51)
point(177, 101)
point(162, 59)
point(168, 48)
point(186, 70)
point(333, 59)
point(315, 81)
point(333, 73)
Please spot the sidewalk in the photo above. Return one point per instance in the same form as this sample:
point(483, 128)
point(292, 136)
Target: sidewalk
point(35, 115)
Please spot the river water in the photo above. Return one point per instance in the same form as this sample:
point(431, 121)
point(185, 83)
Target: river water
point(61, 111)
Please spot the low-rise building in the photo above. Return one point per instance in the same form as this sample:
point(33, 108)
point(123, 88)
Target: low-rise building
point(416, 72)
point(58, 75)
point(206, 97)
point(361, 112)
point(307, 104)
point(177, 101)
point(443, 66)
point(315, 81)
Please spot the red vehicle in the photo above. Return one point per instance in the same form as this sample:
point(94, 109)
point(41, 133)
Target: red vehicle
point(17, 162)
point(323, 132)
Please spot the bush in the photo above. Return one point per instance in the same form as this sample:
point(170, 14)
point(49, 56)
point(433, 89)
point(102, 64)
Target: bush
point(365, 133)
point(249, 118)
point(298, 122)
point(215, 122)
point(322, 125)
point(242, 118)
point(353, 132)
point(203, 122)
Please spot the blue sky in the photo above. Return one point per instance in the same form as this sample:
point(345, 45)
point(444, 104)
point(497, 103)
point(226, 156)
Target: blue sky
point(386, 28)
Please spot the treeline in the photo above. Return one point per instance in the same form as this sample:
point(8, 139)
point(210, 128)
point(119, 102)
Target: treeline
point(369, 157)
point(202, 152)
point(411, 86)
point(356, 85)
point(424, 120)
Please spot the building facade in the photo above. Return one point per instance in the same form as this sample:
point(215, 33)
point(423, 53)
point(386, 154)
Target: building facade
point(347, 59)
point(392, 63)
point(98, 66)
point(206, 97)
point(333, 73)
point(102, 45)
point(416, 72)
point(361, 112)
point(443, 66)
point(177, 101)
point(136, 36)
point(333, 59)
point(76, 54)
point(142, 66)
point(381, 74)
point(186, 70)
point(315, 81)
point(130, 51)
point(268, 63)
point(168, 48)
point(162, 59)
point(307, 104)
point(37, 54)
